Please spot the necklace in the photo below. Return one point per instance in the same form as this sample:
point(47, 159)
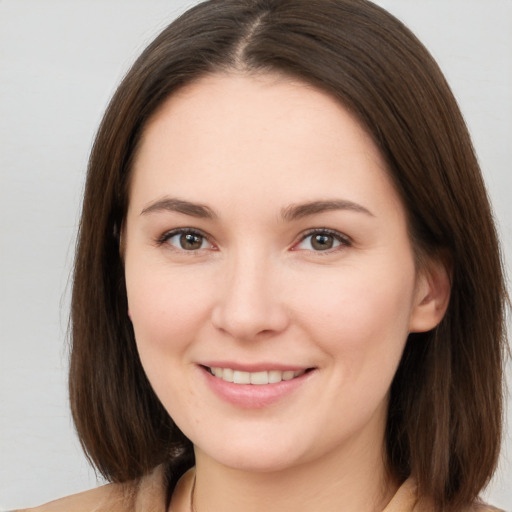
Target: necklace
point(192, 492)
point(191, 505)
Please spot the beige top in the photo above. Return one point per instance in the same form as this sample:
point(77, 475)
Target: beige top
point(148, 495)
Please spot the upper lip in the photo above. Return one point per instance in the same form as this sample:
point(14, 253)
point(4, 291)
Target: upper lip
point(254, 367)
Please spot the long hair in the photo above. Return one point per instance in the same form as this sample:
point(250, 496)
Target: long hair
point(445, 413)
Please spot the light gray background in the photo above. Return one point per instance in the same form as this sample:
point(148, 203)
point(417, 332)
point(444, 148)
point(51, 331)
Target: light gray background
point(59, 64)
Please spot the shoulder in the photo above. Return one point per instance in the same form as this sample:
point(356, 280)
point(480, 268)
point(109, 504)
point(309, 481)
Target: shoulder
point(406, 500)
point(145, 494)
point(112, 497)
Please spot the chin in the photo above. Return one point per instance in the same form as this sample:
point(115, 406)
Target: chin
point(264, 457)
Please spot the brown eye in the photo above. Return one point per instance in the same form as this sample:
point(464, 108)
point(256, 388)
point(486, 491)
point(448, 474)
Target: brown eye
point(191, 241)
point(322, 242)
point(185, 240)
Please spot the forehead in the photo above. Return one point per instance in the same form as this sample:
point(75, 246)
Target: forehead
point(248, 135)
point(252, 105)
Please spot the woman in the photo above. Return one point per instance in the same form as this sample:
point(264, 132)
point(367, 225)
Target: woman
point(288, 292)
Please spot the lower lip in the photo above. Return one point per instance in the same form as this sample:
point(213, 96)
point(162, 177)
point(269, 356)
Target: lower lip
point(254, 396)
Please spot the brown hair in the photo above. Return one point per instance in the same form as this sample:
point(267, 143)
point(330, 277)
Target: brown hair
point(445, 412)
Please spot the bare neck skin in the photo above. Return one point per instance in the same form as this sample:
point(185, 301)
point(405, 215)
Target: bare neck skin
point(353, 481)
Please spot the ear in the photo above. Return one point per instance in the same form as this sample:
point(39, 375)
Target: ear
point(432, 296)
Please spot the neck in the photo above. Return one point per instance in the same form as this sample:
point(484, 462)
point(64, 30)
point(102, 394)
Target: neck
point(360, 485)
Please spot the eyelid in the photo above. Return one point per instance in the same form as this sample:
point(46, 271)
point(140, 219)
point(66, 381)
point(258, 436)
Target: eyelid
point(164, 237)
point(345, 241)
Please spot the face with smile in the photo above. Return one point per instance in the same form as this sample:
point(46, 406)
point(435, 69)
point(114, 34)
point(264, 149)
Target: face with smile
point(270, 275)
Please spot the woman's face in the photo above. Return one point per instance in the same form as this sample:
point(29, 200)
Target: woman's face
point(265, 245)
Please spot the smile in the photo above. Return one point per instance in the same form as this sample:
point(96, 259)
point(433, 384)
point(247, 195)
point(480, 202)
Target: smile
point(256, 378)
point(254, 386)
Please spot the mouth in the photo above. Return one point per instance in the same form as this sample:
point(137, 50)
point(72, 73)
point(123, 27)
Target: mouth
point(259, 378)
point(254, 386)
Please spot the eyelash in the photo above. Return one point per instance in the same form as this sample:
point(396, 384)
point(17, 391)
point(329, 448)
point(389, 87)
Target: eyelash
point(165, 237)
point(344, 241)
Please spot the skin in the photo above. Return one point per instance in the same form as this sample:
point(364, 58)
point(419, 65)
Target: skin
point(251, 148)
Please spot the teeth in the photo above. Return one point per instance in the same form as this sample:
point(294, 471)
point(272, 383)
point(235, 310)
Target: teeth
point(257, 378)
point(227, 374)
point(240, 377)
point(274, 376)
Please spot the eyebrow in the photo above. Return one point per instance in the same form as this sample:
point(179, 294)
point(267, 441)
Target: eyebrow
point(289, 213)
point(169, 204)
point(298, 211)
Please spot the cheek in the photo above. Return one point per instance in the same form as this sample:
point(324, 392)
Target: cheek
point(167, 313)
point(166, 308)
point(359, 314)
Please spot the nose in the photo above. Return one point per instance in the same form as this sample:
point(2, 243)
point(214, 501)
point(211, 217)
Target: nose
point(250, 303)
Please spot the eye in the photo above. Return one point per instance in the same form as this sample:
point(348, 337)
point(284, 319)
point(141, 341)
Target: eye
point(322, 240)
point(185, 240)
